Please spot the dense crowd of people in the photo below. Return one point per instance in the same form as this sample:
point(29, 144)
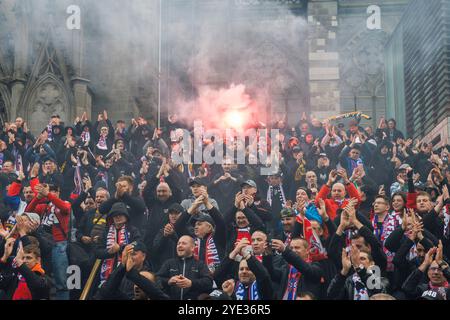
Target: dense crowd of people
point(352, 213)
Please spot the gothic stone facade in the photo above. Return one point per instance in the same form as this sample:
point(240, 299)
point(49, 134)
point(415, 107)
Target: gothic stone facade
point(46, 68)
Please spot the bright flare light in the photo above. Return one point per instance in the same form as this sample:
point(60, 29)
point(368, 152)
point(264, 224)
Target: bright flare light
point(234, 119)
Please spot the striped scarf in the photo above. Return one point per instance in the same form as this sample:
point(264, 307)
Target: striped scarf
point(292, 284)
point(102, 143)
point(446, 211)
point(77, 178)
point(50, 132)
point(390, 223)
point(18, 163)
point(114, 236)
point(85, 136)
point(441, 289)
point(288, 240)
point(301, 171)
point(212, 259)
point(252, 292)
point(276, 191)
point(360, 291)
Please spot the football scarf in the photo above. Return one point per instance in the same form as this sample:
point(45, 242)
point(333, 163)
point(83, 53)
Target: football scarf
point(360, 291)
point(252, 291)
point(102, 143)
point(316, 250)
point(212, 259)
point(77, 178)
point(85, 136)
point(276, 191)
point(446, 211)
point(292, 284)
point(441, 289)
point(390, 223)
point(114, 236)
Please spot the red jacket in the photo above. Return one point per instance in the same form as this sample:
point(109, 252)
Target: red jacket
point(331, 205)
point(61, 210)
point(16, 187)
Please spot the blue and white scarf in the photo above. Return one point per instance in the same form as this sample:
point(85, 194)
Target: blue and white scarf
point(252, 291)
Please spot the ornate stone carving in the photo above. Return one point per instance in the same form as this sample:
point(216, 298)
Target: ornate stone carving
point(362, 63)
point(48, 97)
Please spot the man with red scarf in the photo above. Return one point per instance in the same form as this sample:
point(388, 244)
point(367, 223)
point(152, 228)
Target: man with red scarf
point(241, 222)
point(299, 274)
point(209, 231)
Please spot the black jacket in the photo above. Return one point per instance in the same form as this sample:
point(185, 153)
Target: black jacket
point(263, 280)
point(158, 215)
point(194, 270)
point(255, 224)
point(416, 284)
point(136, 209)
point(38, 284)
point(121, 282)
point(337, 243)
point(310, 279)
point(182, 227)
point(163, 249)
point(101, 252)
point(342, 288)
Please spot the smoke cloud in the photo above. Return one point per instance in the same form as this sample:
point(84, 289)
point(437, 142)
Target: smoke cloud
point(215, 54)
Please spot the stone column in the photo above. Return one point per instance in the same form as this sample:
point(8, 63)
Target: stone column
point(83, 99)
point(323, 58)
point(82, 96)
point(21, 40)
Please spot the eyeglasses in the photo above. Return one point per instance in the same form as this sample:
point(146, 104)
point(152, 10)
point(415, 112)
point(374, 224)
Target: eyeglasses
point(435, 269)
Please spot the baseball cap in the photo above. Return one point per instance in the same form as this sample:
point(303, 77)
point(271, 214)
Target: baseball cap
point(250, 183)
point(203, 217)
point(175, 208)
point(32, 216)
point(287, 212)
point(197, 181)
point(404, 166)
point(140, 246)
point(296, 149)
point(323, 155)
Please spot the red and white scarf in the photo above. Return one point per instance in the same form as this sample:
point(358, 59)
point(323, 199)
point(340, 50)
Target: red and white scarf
point(390, 223)
point(119, 236)
point(446, 213)
point(212, 259)
point(441, 289)
point(85, 136)
point(102, 143)
point(360, 291)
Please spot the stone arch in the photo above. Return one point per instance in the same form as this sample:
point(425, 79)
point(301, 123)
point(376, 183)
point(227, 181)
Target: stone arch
point(46, 97)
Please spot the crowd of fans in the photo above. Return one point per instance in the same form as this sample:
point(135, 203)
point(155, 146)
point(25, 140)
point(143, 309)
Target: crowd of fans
point(352, 214)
